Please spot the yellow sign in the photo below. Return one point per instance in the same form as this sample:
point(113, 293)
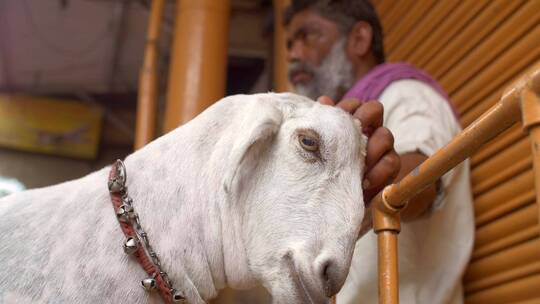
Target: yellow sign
point(52, 126)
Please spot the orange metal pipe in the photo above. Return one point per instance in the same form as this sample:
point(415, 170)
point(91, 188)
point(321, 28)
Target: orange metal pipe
point(199, 59)
point(146, 105)
point(509, 137)
point(393, 198)
point(281, 81)
point(388, 263)
point(530, 102)
point(386, 225)
point(489, 125)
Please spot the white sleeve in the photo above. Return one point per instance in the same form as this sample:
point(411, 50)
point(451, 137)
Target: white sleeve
point(420, 119)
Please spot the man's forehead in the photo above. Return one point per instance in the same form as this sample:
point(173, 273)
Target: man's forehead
point(308, 18)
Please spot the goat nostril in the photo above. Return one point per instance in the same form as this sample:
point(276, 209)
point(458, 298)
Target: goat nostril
point(325, 271)
point(327, 278)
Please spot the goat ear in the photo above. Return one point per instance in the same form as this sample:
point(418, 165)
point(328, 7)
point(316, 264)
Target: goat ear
point(260, 122)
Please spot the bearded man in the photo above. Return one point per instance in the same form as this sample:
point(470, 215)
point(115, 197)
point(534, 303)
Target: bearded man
point(335, 49)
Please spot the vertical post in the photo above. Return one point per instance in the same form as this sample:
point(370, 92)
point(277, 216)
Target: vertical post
point(147, 100)
point(386, 224)
point(199, 59)
point(388, 267)
point(281, 82)
point(530, 111)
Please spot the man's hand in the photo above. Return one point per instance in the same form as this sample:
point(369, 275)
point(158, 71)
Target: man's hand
point(382, 161)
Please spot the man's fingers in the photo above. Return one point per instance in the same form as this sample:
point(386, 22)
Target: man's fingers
point(384, 172)
point(370, 115)
point(325, 100)
point(379, 144)
point(350, 105)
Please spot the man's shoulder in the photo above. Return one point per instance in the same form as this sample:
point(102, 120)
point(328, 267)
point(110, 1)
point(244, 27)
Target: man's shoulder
point(412, 94)
point(410, 88)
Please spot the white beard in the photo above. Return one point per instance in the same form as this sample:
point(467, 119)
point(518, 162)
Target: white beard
point(333, 77)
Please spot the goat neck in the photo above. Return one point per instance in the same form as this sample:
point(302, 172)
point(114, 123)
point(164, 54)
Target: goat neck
point(196, 231)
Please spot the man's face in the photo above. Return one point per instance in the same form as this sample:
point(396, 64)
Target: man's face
point(317, 56)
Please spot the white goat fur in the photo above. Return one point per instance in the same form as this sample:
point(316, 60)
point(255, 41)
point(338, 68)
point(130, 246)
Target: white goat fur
point(223, 199)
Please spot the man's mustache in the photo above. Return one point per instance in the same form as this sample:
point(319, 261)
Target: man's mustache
point(300, 67)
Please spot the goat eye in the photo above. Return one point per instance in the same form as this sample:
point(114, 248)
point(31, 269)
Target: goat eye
point(309, 143)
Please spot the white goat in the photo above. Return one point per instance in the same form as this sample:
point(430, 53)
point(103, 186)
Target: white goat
point(262, 188)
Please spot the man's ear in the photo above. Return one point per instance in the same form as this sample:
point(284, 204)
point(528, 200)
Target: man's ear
point(261, 120)
point(359, 40)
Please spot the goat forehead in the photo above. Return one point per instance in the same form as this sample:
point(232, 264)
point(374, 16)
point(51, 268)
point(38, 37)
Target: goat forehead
point(332, 122)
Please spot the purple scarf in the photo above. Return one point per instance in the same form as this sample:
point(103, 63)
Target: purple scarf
point(371, 86)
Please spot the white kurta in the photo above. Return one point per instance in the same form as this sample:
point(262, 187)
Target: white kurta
point(435, 249)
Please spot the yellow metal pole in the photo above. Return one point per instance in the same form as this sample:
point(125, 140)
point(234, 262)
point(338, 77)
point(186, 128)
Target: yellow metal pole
point(146, 105)
point(387, 226)
point(530, 104)
point(281, 81)
point(199, 59)
point(393, 198)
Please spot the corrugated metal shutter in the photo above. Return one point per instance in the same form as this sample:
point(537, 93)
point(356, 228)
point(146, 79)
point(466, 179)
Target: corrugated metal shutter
point(475, 49)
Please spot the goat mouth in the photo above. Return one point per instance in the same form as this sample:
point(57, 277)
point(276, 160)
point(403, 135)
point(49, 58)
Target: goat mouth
point(302, 289)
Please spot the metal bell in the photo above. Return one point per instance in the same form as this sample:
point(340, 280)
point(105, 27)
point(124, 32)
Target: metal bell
point(115, 186)
point(178, 296)
point(124, 213)
point(131, 245)
point(127, 200)
point(149, 284)
point(118, 183)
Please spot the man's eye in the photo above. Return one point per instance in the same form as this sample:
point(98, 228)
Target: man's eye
point(309, 143)
point(312, 34)
point(301, 35)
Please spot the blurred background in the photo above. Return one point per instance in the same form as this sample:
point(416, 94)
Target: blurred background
point(69, 78)
point(83, 82)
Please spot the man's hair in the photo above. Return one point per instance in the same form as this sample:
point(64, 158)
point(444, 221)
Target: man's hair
point(345, 13)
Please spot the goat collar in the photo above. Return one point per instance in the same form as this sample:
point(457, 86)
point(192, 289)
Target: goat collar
point(137, 243)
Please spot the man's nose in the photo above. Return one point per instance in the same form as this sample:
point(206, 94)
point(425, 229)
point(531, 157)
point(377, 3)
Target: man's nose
point(296, 51)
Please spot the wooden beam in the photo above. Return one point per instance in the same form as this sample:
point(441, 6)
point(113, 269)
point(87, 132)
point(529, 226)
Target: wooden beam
point(148, 79)
point(199, 59)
